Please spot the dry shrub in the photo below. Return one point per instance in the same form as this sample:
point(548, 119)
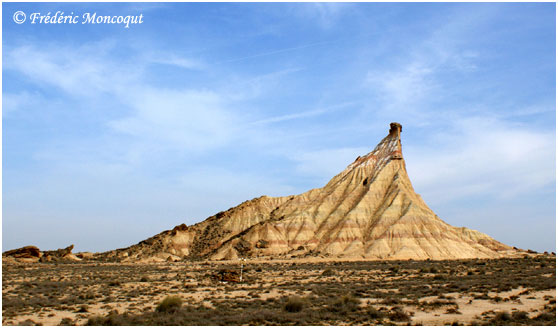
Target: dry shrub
point(169, 304)
point(66, 322)
point(294, 304)
point(546, 316)
point(397, 314)
point(373, 313)
point(501, 317)
point(345, 304)
point(83, 308)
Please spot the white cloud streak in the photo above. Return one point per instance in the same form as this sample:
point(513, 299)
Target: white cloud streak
point(187, 119)
point(483, 157)
point(299, 115)
point(177, 61)
point(76, 71)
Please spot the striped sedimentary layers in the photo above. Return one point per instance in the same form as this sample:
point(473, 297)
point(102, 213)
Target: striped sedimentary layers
point(369, 210)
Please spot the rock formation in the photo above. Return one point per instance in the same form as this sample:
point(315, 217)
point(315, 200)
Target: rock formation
point(59, 254)
point(369, 210)
point(33, 254)
point(27, 252)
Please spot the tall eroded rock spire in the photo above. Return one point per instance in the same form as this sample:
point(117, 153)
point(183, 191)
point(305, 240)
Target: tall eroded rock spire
point(369, 210)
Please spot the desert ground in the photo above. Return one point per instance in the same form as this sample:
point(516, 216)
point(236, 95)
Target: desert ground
point(518, 291)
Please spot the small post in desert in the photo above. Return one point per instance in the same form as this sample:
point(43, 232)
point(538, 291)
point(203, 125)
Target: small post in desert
point(242, 260)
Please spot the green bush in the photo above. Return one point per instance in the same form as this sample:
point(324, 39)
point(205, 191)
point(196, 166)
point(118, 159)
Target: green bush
point(169, 304)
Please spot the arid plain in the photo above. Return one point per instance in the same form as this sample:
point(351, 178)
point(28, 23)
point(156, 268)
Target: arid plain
point(509, 291)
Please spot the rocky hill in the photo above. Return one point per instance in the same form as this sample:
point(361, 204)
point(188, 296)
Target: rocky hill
point(370, 210)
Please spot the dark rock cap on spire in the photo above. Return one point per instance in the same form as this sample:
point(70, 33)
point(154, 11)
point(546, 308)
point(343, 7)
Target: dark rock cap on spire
point(395, 128)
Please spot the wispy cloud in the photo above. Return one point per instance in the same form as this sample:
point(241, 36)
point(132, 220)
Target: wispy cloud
point(273, 52)
point(187, 119)
point(150, 118)
point(414, 80)
point(174, 60)
point(300, 115)
point(403, 86)
point(245, 88)
point(12, 102)
point(483, 157)
point(325, 14)
point(81, 71)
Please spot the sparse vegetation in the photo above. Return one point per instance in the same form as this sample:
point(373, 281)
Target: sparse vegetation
point(343, 293)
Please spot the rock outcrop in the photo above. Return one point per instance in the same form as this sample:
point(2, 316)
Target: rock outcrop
point(27, 252)
point(370, 210)
point(33, 254)
point(60, 254)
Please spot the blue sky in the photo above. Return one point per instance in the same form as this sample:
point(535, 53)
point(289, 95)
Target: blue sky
point(111, 135)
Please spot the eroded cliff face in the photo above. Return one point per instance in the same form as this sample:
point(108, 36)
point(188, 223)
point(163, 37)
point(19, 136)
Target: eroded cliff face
point(370, 210)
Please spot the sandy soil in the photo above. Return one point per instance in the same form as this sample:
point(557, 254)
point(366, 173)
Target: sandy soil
point(475, 290)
